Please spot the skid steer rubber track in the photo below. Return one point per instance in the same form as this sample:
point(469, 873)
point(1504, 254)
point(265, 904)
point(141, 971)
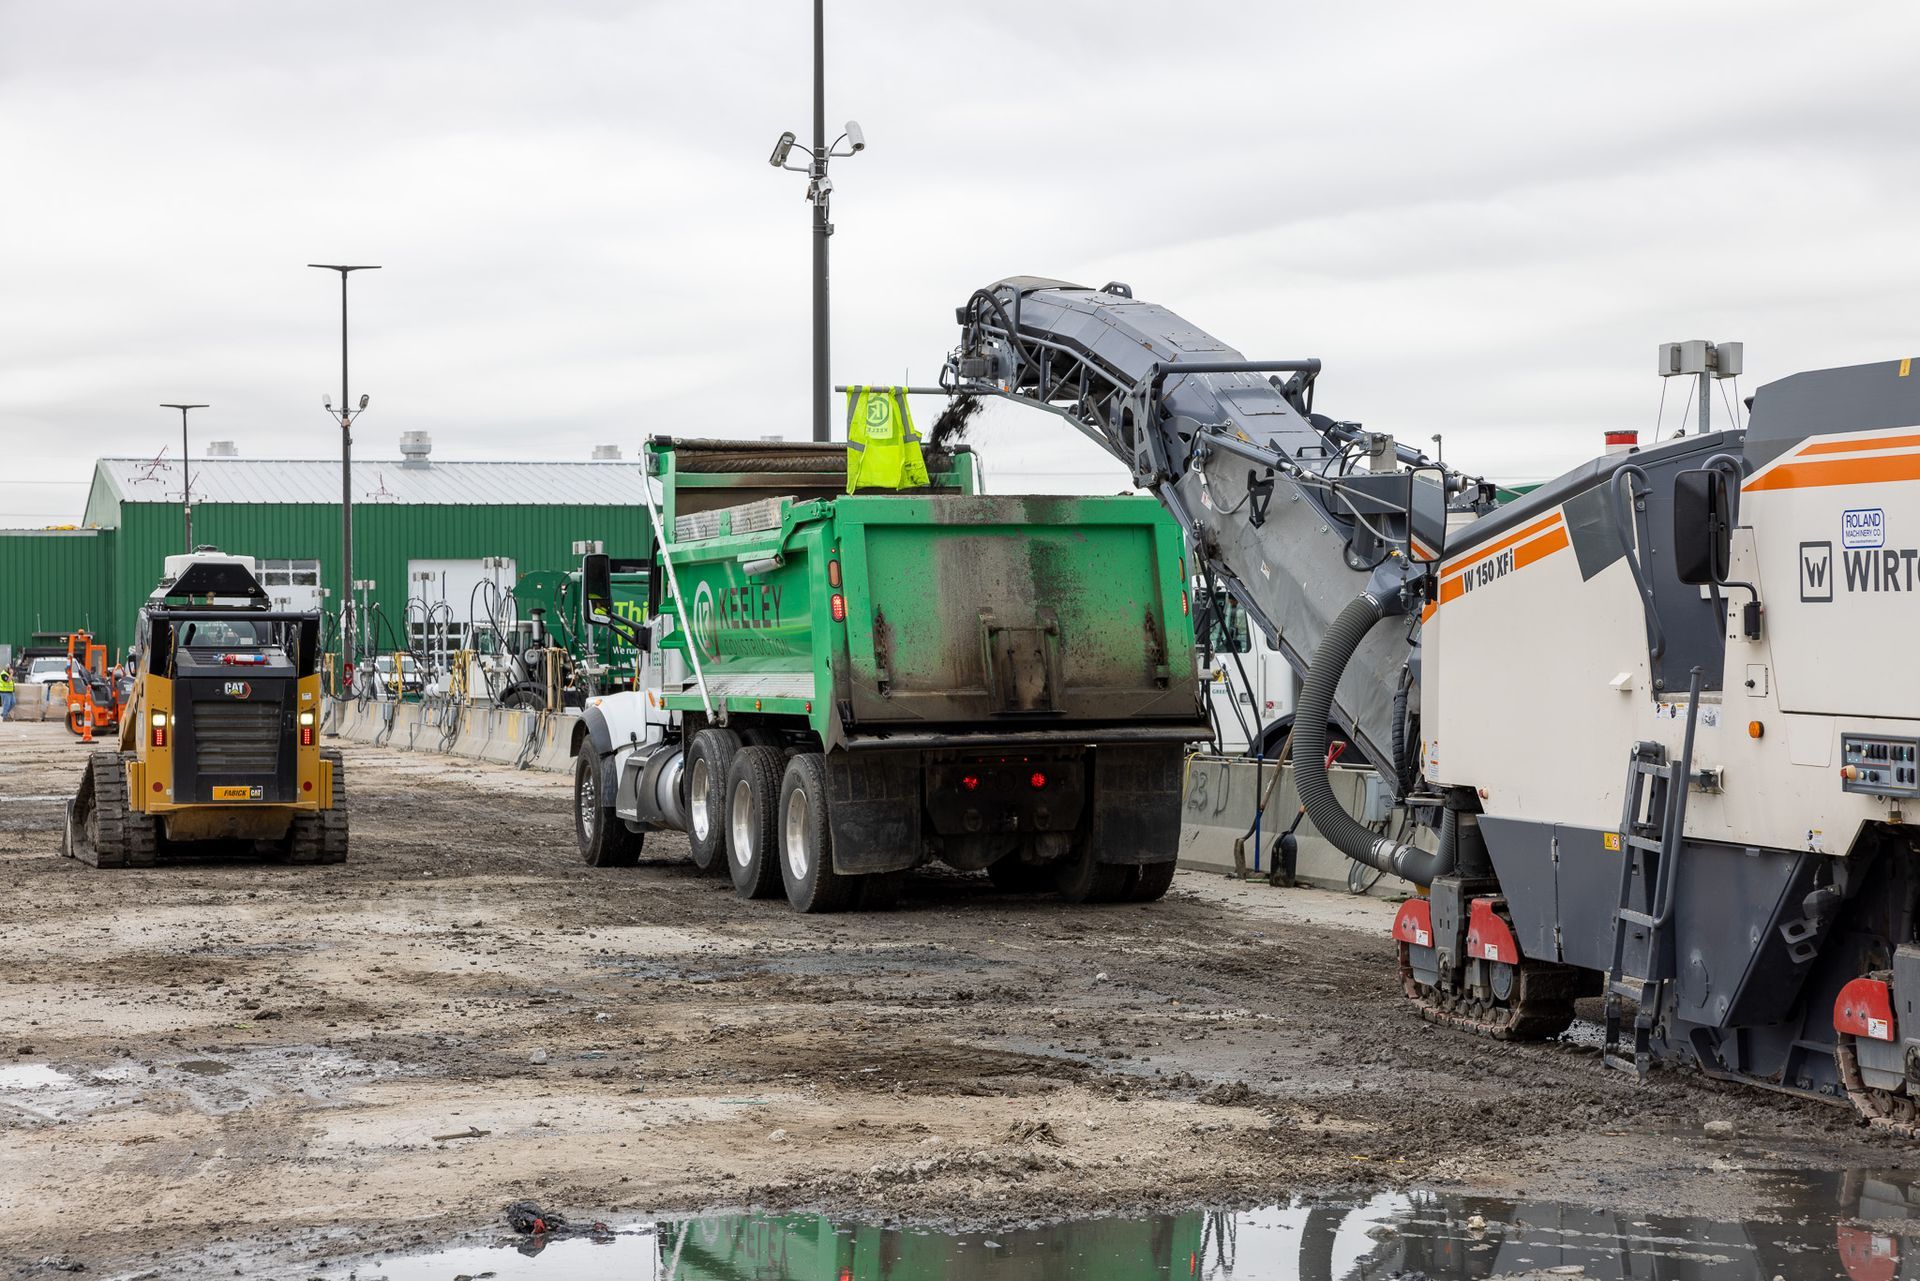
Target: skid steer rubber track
point(322, 837)
point(102, 830)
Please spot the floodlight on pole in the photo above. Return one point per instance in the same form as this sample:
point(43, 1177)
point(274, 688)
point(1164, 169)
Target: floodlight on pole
point(345, 414)
point(186, 471)
point(819, 193)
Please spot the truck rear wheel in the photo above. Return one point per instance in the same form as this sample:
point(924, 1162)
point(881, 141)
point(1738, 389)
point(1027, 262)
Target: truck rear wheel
point(605, 841)
point(806, 841)
point(709, 758)
point(1081, 878)
point(753, 798)
point(1149, 882)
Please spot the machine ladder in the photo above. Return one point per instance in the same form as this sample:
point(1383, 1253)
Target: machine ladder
point(1652, 835)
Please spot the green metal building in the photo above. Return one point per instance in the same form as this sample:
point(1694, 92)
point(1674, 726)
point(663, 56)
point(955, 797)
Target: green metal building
point(422, 529)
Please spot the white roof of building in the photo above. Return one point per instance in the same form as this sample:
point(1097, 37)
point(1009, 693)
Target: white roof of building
point(312, 480)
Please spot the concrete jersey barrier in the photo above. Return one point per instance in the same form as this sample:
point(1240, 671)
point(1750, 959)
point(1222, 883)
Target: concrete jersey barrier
point(505, 736)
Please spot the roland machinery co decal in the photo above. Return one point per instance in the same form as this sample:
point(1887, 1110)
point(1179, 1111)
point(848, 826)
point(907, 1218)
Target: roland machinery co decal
point(1861, 564)
point(237, 689)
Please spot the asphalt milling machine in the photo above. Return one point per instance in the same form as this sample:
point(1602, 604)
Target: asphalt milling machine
point(1653, 715)
point(219, 741)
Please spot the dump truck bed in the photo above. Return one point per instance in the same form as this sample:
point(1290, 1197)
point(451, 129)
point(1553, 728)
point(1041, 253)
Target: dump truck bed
point(969, 610)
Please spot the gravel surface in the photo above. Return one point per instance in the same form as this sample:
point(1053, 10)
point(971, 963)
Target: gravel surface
point(302, 1062)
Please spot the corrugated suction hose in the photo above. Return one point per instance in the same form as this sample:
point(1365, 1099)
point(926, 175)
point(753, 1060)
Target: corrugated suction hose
point(1346, 833)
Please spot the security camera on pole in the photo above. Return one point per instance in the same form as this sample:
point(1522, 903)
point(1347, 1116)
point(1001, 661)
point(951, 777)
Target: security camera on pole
point(819, 192)
point(346, 415)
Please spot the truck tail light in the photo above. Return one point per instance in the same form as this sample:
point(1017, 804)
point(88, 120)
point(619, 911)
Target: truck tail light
point(158, 723)
point(970, 781)
point(833, 573)
point(1186, 606)
point(1037, 780)
point(839, 608)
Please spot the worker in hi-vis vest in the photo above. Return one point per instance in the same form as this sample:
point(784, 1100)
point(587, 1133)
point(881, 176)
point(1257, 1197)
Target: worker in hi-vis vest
point(883, 449)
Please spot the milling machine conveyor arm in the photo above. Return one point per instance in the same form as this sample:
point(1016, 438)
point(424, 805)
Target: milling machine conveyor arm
point(1294, 513)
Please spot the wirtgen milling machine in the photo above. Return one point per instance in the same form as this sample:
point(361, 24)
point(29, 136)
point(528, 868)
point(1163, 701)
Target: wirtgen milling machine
point(1659, 715)
point(220, 740)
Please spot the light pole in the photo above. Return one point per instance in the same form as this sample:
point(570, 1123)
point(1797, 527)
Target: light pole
point(186, 470)
point(819, 192)
point(346, 414)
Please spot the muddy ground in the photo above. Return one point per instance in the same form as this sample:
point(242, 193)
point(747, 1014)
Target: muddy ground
point(271, 1060)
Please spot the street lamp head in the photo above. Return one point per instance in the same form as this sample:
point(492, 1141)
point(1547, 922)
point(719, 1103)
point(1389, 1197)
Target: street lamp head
point(326, 398)
point(781, 149)
point(855, 138)
point(364, 398)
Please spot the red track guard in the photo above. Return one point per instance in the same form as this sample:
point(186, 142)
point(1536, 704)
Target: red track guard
point(1413, 924)
point(1867, 1255)
point(1865, 1008)
point(1488, 938)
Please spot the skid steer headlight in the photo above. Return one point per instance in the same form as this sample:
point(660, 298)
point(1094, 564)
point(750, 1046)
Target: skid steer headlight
point(306, 729)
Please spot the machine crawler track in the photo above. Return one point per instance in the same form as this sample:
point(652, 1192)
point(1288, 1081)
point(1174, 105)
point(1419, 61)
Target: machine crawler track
point(1541, 1005)
point(1882, 1109)
point(102, 830)
point(322, 837)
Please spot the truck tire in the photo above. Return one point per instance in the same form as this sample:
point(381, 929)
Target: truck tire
point(1081, 878)
point(806, 841)
point(1149, 882)
point(753, 798)
point(605, 840)
point(709, 758)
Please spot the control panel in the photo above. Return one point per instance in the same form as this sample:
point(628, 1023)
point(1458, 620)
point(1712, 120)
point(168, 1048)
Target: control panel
point(1880, 766)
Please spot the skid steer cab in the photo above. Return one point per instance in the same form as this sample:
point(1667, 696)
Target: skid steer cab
point(219, 748)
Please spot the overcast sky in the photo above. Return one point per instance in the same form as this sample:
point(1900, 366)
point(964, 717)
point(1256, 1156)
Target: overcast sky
point(1483, 217)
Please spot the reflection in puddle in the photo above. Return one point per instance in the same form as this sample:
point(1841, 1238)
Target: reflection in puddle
point(1854, 1225)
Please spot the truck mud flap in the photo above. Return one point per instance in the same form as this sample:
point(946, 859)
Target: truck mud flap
point(874, 811)
point(1136, 803)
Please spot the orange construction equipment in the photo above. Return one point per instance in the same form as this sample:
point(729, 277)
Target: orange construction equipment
point(93, 696)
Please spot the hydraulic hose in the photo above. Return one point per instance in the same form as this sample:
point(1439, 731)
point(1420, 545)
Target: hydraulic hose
point(1346, 833)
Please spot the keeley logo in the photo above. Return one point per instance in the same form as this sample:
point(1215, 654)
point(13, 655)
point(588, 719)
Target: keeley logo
point(1816, 571)
point(706, 627)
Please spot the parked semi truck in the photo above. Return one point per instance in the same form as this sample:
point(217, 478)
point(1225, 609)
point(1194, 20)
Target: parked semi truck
point(838, 688)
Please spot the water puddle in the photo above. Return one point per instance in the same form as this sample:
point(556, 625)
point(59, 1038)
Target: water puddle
point(1856, 1225)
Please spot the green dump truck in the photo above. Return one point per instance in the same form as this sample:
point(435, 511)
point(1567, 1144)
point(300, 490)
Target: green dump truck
point(837, 688)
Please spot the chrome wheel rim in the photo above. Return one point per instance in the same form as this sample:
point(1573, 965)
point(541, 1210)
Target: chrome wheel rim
point(588, 799)
point(742, 814)
point(799, 857)
point(697, 788)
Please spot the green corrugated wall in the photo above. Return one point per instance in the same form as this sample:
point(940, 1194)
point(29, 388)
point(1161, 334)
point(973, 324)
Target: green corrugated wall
point(385, 538)
point(55, 581)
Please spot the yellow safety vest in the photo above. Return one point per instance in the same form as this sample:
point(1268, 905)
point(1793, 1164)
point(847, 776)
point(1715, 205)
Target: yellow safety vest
point(883, 449)
point(6, 681)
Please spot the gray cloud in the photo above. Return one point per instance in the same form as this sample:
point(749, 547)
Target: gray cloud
point(1483, 217)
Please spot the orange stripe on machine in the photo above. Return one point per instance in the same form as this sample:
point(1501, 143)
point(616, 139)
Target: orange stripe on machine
point(1837, 471)
point(1858, 446)
point(1536, 541)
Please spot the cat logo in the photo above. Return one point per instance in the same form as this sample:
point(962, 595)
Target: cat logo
point(237, 689)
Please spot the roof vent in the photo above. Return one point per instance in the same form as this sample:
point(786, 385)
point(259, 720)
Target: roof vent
point(606, 453)
point(414, 448)
point(222, 449)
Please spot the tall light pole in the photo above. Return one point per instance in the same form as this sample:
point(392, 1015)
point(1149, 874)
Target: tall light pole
point(186, 470)
point(819, 193)
point(346, 414)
